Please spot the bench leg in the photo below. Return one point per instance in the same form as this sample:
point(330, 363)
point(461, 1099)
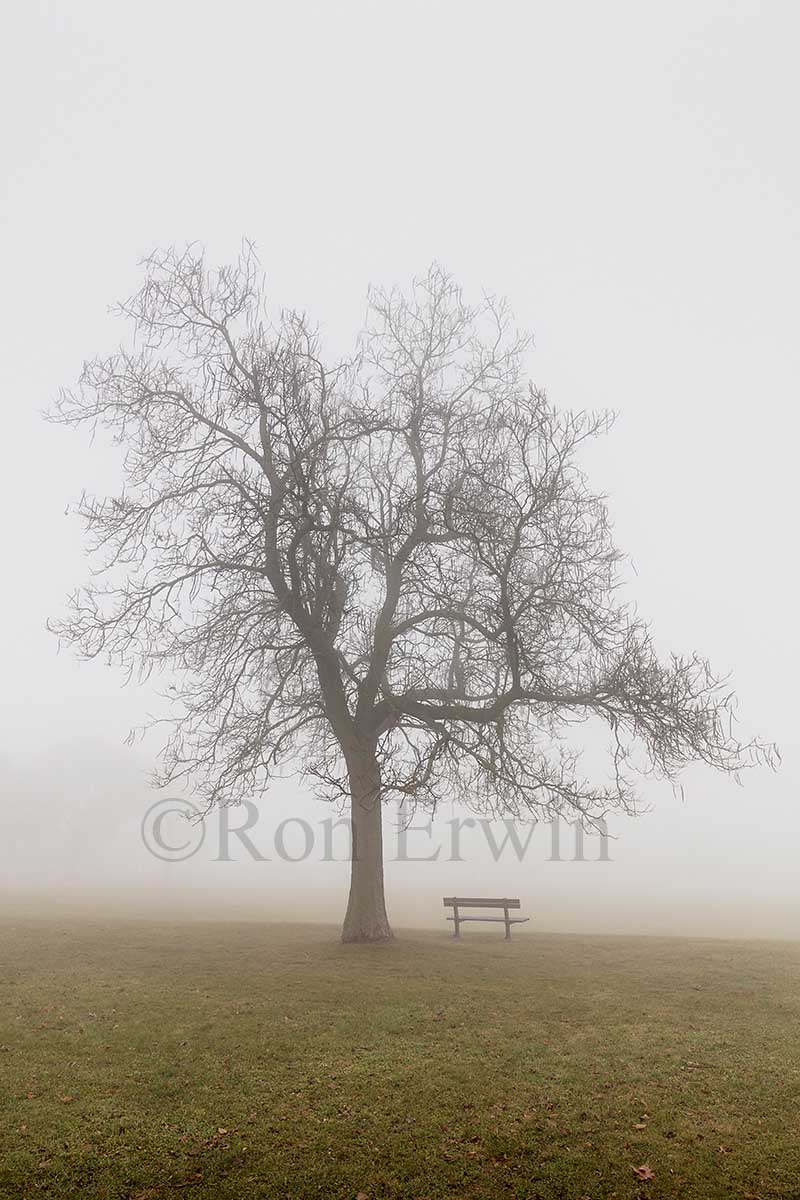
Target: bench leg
point(508, 925)
point(456, 923)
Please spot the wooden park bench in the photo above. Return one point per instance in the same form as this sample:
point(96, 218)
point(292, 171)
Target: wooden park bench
point(457, 902)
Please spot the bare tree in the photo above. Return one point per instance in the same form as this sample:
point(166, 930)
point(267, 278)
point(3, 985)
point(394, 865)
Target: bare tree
point(390, 572)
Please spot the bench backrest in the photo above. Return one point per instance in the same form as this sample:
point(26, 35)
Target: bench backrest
point(479, 902)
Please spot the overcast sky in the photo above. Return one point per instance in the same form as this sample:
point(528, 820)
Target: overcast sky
point(625, 173)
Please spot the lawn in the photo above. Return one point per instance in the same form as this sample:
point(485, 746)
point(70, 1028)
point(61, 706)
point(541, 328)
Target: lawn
point(150, 1060)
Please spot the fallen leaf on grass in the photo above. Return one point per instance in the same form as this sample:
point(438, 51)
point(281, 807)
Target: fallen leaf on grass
point(66, 1099)
point(640, 1125)
point(644, 1172)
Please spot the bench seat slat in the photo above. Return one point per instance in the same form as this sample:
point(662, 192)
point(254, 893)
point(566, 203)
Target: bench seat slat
point(501, 920)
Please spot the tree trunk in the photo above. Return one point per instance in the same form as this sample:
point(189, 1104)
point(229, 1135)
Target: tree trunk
point(366, 919)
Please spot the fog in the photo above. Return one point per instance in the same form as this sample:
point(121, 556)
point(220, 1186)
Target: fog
point(623, 173)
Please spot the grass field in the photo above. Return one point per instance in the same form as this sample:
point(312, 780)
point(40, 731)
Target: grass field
point(242, 1060)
